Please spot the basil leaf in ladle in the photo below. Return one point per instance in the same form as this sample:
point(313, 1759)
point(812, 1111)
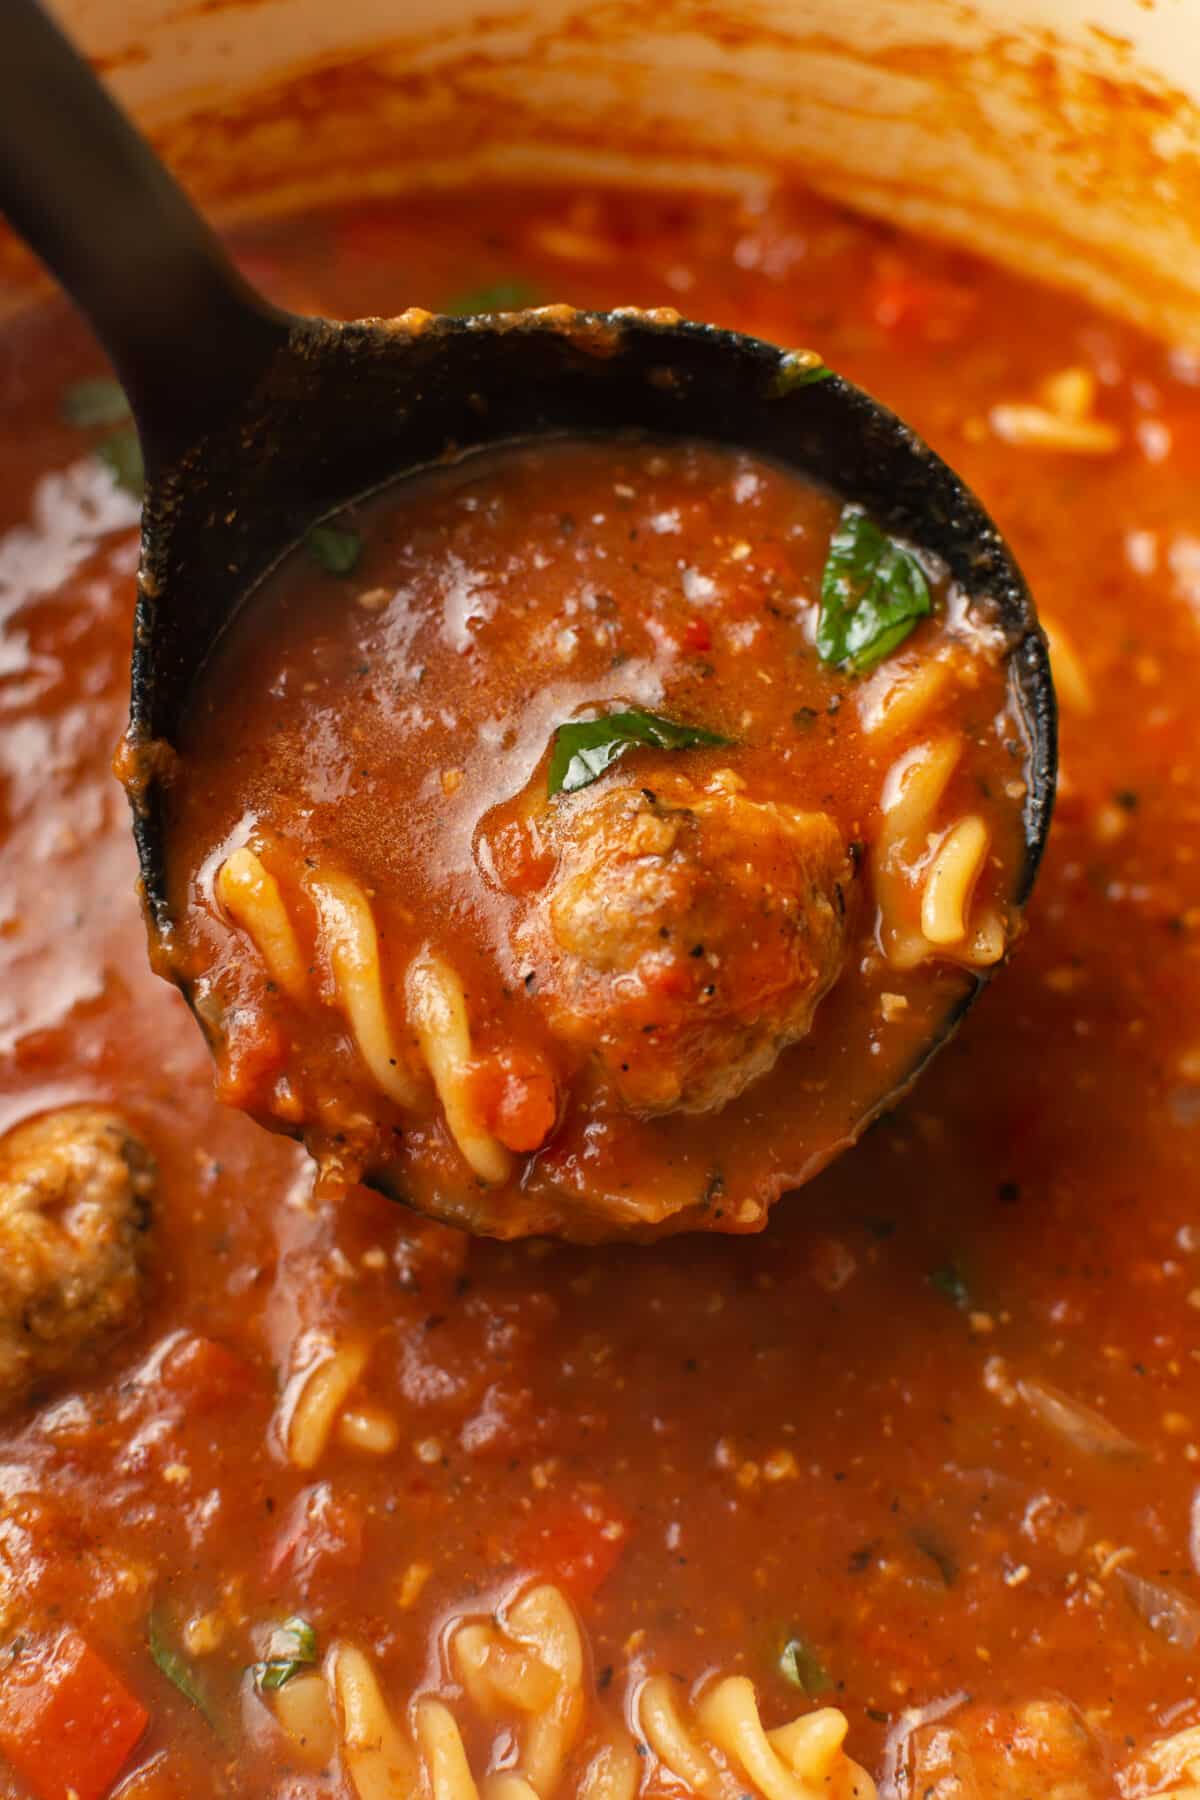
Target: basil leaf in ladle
point(873, 591)
point(292, 1650)
point(584, 749)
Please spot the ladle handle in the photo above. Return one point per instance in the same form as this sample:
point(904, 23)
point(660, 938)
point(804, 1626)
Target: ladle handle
point(79, 183)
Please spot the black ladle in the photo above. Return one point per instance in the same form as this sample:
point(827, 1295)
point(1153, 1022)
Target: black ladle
point(255, 422)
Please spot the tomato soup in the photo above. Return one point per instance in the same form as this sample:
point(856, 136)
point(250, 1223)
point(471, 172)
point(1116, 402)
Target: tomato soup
point(303, 1495)
point(640, 816)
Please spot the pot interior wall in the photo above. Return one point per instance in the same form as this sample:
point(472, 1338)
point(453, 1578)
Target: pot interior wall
point(1061, 140)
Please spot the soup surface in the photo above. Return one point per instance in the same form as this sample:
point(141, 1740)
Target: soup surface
point(302, 1499)
point(576, 859)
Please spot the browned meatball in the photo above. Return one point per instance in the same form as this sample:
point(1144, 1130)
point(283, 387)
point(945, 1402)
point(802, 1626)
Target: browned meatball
point(687, 935)
point(75, 1190)
point(1041, 1748)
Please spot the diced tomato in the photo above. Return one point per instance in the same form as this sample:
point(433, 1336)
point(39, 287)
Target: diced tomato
point(516, 1096)
point(67, 1723)
point(696, 635)
point(323, 1533)
point(577, 1543)
point(207, 1376)
point(917, 306)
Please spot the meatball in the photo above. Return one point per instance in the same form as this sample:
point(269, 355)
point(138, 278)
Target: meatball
point(686, 935)
point(75, 1190)
point(1009, 1753)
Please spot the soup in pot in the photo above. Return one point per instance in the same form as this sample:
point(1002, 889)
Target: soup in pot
point(304, 1496)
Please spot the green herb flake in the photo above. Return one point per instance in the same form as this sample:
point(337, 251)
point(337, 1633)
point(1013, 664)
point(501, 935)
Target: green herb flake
point(799, 369)
point(585, 748)
point(121, 452)
point(499, 296)
point(292, 1649)
point(873, 591)
point(97, 400)
point(171, 1663)
point(335, 547)
point(800, 1665)
point(949, 1282)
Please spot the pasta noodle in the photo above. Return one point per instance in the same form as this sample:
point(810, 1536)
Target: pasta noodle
point(1168, 1770)
point(351, 945)
point(1071, 682)
point(812, 1746)
point(946, 864)
point(672, 1741)
point(951, 880)
point(901, 693)
point(911, 795)
point(438, 1013)
point(1071, 393)
point(729, 1712)
point(528, 1660)
point(446, 1763)
point(509, 1787)
point(1033, 427)
point(495, 1674)
point(324, 1389)
point(302, 1708)
point(249, 893)
point(543, 1620)
point(369, 1428)
point(988, 940)
point(724, 1745)
point(614, 1772)
point(381, 1765)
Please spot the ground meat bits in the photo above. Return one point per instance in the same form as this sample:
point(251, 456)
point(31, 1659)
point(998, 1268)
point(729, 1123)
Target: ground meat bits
point(75, 1190)
point(688, 935)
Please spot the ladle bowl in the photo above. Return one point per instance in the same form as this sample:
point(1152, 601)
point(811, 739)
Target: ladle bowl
point(256, 424)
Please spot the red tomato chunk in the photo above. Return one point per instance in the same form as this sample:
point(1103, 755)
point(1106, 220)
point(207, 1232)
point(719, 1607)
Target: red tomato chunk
point(67, 1722)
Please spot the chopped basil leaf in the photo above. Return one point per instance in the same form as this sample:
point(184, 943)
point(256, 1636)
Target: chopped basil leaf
point(121, 451)
point(585, 748)
point(99, 400)
point(798, 369)
point(293, 1647)
point(499, 296)
point(335, 548)
point(948, 1281)
point(800, 1664)
point(178, 1672)
point(873, 592)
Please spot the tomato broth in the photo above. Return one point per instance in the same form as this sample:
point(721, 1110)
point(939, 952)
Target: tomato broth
point(321, 1499)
